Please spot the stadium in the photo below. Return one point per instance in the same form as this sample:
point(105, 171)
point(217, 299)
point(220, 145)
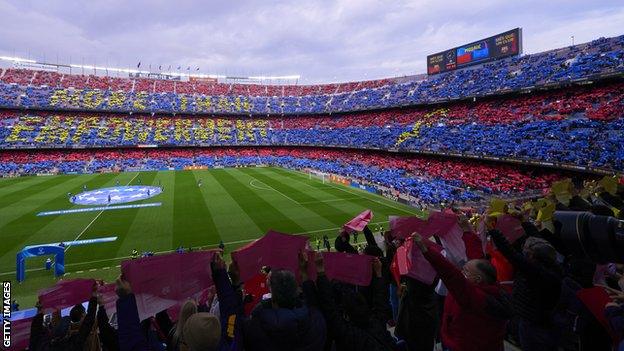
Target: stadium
point(223, 189)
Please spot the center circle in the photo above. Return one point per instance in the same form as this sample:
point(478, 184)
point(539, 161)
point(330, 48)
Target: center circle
point(115, 195)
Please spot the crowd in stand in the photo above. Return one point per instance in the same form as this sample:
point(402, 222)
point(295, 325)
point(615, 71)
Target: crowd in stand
point(22, 89)
point(431, 180)
point(582, 126)
point(468, 283)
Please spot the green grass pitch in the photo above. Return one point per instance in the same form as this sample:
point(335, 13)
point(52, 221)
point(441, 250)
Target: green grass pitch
point(235, 205)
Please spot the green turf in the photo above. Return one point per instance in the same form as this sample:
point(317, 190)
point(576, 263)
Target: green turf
point(235, 205)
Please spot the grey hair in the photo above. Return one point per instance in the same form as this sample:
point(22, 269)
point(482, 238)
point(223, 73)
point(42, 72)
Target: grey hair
point(284, 290)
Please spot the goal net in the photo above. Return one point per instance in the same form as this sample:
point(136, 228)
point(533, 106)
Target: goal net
point(324, 177)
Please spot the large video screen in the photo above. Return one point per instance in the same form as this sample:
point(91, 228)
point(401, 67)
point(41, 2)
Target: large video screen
point(501, 45)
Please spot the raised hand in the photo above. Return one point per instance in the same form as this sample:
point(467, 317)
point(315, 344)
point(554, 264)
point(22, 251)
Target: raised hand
point(420, 242)
point(377, 267)
point(123, 287)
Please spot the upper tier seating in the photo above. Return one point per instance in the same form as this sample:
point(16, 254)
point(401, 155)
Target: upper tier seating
point(599, 58)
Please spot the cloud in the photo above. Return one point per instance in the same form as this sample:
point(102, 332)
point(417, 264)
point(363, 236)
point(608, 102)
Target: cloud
point(321, 40)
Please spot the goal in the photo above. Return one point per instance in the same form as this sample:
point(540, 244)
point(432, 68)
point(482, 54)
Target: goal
point(312, 174)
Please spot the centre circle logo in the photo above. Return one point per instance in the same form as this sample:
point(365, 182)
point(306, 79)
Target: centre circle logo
point(115, 195)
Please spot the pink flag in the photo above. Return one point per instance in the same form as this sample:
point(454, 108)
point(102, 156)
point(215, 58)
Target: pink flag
point(442, 222)
point(418, 266)
point(401, 255)
point(20, 333)
point(349, 268)
point(360, 221)
point(160, 282)
point(250, 258)
point(109, 297)
point(66, 293)
point(454, 244)
point(437, 223)
point(510, 226)
point(274, 249)
point(403, 227)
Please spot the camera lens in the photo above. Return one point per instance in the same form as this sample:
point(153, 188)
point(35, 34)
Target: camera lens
point(599, 238)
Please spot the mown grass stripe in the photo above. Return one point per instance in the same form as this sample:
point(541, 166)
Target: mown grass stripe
point(261, 212)
point(8, 185)
point(366, 197)
point(232, 222)
point(193, 224)
point(118, 223)
point(291, 208)
point(331, 213)
point(23, 229)
point(23, 193)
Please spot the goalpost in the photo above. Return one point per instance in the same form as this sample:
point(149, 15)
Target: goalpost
point(312, 174)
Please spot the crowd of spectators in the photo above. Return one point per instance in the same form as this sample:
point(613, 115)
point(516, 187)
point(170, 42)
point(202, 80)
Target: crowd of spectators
point(465, 283)
point(430, 180)
point(601, 57)
point(581, 126)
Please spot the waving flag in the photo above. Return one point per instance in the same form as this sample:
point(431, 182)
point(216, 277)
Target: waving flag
point(66, 293)
point(360, 221)
point(160, 282)
point(510, 226)
point(343, 267)
point(274, 249)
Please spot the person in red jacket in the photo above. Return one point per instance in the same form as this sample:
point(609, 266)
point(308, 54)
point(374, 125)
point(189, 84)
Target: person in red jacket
point(476, 309)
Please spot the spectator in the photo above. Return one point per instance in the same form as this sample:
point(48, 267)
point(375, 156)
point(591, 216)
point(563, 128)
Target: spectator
point(536, 290)
point(286, 321)
point(176, 337)
point(73, 333)
point(353, 324)
point(343, 244)
point(476, 309)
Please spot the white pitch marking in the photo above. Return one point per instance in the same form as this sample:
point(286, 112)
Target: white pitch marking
point(331, 200)
point(352, 193)
point(166, 251)
point(271, 188)
point(96, 217)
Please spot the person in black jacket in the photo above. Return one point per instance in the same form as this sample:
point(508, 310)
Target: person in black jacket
point(108, 334)
point(419, 316)
point(285, 321)
point(536, 290)
point(343, 244)
point(355, 325)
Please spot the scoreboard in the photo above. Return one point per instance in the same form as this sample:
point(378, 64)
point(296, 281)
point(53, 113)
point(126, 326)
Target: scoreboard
point(501, 45)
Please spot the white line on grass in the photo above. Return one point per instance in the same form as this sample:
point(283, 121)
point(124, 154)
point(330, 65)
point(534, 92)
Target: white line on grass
point(166, 251)
point(251, 182)
point(271, 188)
point(96, 217)
point(352, 193)
point(331, 200)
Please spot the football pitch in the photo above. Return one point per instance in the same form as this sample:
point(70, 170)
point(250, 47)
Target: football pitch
point(233, 205)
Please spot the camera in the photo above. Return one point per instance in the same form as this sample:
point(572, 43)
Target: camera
point(599, 238)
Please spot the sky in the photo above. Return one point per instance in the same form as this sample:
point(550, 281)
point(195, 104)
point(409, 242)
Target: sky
point(323, 41)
